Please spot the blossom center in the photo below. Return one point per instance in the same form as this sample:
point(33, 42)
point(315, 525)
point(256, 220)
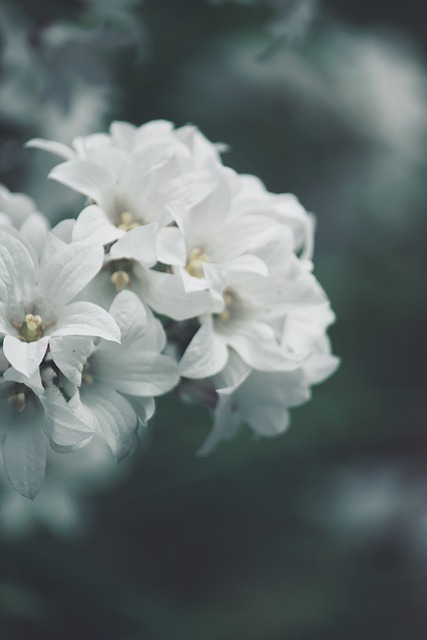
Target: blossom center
point(194, 265)
point(18, 396)
point(127, 222)
point(31, 329)
point(232, 304)
point(121, 276)
point(18, 400)
point(87, 377)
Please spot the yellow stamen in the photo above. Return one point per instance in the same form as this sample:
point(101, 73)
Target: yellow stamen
point(31, 329)
point(195, 262)
point(87, 378)
point(127, 221)
point(19, 401)
point(230, 303)
point(121, 280)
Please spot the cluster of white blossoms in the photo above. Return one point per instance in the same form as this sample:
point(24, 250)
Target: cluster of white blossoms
point(173, 253)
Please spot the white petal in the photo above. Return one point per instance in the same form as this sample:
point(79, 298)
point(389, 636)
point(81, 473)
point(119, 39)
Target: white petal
point(93, 224)
point(69, 271)
point(123, 135)
point(171, 246)
point(134, 367)
point(17, 269)
point(233, 375)
point(320, 366)
point(52, 146)
point(85, 177)
point(190, 282)
point(24, 454)
point(206, 354)
point(263, 400)
point(226, 423)
point(70, 353)
point(63, 428)
point(117, 420)
point(25, 357)
point(64, 230)
point(138, 244)
point(87, 319)
point(134, 371)
point(144, 408)
point(131, 316)
point(165, 293)
point(35, 229)
point(256, 345)
point(187, 190)
point(53, 245)
point(34, 382)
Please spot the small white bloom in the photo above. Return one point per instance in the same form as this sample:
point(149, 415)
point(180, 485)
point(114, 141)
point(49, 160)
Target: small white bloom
point(256, 297)
point(262, 400)
point(132, 175)
point(117, 382)
point(28, 416)
point(130, 263)
point(215, 231)
point(36, 307)
point(254, 200)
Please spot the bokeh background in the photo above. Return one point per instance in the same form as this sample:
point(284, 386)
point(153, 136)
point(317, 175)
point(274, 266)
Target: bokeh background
point(320, 534)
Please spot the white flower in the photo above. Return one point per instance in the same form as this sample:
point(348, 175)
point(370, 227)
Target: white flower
point(215, 231)
point(132, 175)
point(19, 211)
point(28, 416)
point(130, 263)
point(117, 382)
point(257, 297)
point(254, 200)
point(261, 399)
point(36, 308)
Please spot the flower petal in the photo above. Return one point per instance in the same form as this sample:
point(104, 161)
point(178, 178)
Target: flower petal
point(92, 224)
point(58, 148)
point(256, 345)
point(165, 293)
point(70, 353)
point(25, 357)
point(138, 244)
point(63, 428)
point(69, 271)
point(17, 269)
point(206, 354)
point(86, 319)
point(117, 420)
point(83, 176)
point(171, 246)
point(34, 382)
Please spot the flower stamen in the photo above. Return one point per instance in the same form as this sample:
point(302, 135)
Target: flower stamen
point(231, 304)
point(127, 222)
point(194, 265)
point(87, 378)
point(121, 280)
point(19, 401)
point(31, 329)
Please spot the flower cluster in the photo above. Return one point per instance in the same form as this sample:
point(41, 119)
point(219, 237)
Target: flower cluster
point(175, 253)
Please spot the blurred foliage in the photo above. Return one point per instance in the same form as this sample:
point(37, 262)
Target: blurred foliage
point(322, 533)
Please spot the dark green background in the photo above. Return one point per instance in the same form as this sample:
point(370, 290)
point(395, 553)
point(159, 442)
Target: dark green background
point(246, 544)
